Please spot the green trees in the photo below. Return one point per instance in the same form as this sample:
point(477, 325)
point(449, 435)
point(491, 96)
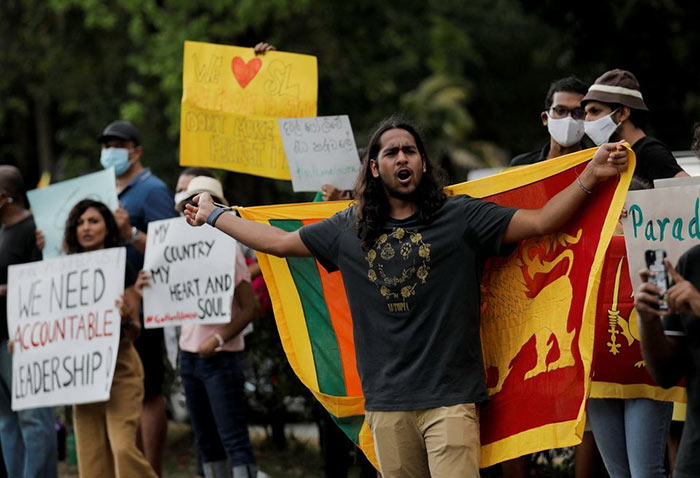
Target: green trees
point(474, 73)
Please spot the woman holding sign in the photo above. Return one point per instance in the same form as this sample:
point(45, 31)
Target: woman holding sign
point(106, 431)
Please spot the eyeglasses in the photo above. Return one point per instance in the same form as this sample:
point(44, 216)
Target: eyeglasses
point(558, 112)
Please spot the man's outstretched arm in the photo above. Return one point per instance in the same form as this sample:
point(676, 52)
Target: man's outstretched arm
point(261, 237)
point(608, 161)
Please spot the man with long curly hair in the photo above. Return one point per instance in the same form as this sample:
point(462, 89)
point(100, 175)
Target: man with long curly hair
point(411, 262)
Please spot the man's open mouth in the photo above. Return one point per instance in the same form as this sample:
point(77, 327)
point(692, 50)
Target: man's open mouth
point(404, 175)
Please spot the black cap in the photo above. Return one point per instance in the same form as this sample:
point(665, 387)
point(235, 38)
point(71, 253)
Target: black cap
point(122, 130)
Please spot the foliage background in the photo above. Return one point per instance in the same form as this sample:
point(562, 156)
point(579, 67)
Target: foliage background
point(474, 74)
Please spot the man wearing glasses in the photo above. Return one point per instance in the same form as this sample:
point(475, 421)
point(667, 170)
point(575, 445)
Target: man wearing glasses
point(563, 116)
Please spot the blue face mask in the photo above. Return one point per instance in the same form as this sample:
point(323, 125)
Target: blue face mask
point(117, 158)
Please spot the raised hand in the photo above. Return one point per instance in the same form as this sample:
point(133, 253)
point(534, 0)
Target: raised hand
point(610, 160)
point(196, 215)
point(121, 217)
point(646, 298)
point(262, 47)
point(682, 297)
point(40, 239)
point(143, 280)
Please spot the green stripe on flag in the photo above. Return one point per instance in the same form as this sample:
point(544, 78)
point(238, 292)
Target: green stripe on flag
point(351, 426)
point(324, 344)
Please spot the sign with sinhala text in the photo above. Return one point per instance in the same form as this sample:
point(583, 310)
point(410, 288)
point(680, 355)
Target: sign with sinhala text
point(320, 151)
point(231, 100)
point(62, 317)
point(666, 218)
point(193, 272)
point(51, 205)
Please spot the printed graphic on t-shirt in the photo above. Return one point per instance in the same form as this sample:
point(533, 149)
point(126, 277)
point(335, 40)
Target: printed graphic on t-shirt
point(398, 263)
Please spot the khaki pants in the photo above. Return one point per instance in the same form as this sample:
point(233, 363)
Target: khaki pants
point(438, 442)
point(105, 432)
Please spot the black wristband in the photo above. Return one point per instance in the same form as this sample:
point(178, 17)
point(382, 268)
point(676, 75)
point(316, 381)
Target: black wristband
point(211, 220)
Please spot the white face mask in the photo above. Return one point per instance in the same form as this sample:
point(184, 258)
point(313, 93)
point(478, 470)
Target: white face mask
point(601, 129)
point(565, 131)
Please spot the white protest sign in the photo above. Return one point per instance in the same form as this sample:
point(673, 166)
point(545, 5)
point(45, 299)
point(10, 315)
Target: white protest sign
point(664, 218)
point(320, 151)
point(675, 182)
point(51, 205)
point(62, 316)
point(193, 272)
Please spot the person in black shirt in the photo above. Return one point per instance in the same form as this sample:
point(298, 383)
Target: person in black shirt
point(671, 346)
point(615, 110)
point(411, 261)
point(563, 116)
point(27, 436)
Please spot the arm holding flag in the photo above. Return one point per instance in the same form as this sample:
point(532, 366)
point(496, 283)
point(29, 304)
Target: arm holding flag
point(608, 161)
point(261, 237)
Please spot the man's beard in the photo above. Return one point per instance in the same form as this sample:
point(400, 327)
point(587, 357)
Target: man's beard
point(396, 194)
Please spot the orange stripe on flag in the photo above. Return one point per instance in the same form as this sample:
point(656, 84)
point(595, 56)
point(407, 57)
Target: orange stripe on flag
point(339, 311)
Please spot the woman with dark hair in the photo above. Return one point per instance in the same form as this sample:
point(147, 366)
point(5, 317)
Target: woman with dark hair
point(106, 431)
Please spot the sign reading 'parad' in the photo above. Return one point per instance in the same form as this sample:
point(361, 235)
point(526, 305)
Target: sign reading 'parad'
point(666, 218)
point(192, 274)
point(62, 316)
point(320, 151)
point(51, 205)
point(231, 99)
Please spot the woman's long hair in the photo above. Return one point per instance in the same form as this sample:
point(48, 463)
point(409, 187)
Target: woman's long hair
point(70, 235)
point(372, 210)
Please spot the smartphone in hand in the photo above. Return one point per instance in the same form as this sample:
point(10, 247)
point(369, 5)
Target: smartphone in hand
point(655, 263)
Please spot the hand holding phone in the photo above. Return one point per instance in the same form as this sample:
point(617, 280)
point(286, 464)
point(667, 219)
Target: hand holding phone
point(655, 263)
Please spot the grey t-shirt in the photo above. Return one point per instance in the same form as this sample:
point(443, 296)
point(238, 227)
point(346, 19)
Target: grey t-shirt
point(414, 299)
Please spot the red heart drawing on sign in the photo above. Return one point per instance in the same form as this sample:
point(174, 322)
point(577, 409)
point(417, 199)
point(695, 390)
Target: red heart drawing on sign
point(245, 72)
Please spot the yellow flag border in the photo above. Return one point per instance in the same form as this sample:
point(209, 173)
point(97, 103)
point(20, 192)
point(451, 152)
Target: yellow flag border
point(637, 390)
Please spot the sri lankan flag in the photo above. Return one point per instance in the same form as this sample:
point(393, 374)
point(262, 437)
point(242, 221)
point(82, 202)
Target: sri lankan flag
point(618, 367)
point(538, 308)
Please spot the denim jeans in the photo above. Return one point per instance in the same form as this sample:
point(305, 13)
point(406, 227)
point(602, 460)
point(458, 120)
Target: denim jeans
point(216, 402)
point(631, 435)
point(28, 437)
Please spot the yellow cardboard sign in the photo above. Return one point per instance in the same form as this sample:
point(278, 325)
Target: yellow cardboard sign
point(231, 100)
